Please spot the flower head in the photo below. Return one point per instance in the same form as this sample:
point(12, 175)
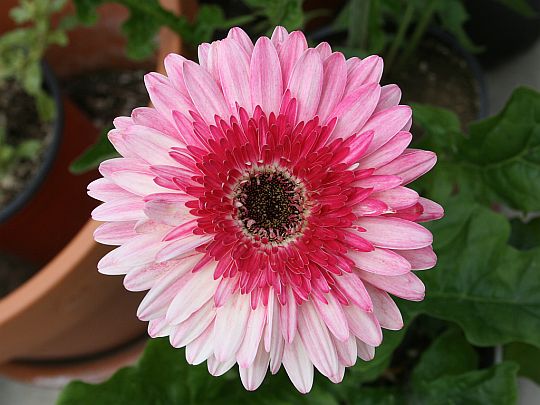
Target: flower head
point(262, 203)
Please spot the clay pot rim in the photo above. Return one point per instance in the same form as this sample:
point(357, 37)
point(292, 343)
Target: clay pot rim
point(31, 188)
point(94, 369)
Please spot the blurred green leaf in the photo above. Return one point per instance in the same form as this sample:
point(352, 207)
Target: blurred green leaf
point(94, 155)
point(20, 14)
point(377, 396)
point(525, 235)
point(28, 149)
point(447, 374)
point(527, 357)
point(287, 13)
point(140, 29)
point(45, 105)
point(22, 49)
point(86, 10)
point(436, 361)
point(439, 121)
point(366, 371)
point(493, 386)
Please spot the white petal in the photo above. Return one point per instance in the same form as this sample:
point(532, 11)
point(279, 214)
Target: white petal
point(363, 325)
point(194, 326)
point(298, 366)
point(217, 368)
point(333, 317)
point(230, 327)
point(195, 290)
point(253, 376)
point(385, 309)
point(250, 344)
point(202, 347)
point(317, 340)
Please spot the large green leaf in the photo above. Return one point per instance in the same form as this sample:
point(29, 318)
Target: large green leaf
point(498, 162)
point(163, 377)
point(528, 358)
point(494, 386)
point(447, 374)
point(507, 149)
point(437, 363)
point(489, 288)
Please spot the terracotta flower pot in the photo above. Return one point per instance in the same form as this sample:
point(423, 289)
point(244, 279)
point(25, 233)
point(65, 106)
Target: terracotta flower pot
point(68, 320)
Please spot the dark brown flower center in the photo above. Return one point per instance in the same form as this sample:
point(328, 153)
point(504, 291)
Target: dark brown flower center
point(270, 205)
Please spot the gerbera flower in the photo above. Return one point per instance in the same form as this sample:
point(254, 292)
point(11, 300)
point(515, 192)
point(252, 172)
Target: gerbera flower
point(262, 203)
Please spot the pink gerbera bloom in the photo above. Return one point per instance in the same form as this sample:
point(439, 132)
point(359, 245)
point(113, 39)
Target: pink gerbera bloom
point(262, 201)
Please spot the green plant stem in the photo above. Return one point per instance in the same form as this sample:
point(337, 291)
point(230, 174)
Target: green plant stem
point(419, 31)
point(358, 24)
point(400, 36)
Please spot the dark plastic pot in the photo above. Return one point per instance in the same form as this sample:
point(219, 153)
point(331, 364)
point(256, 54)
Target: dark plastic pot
point(474, 67)
point(51, 86)
point(501, 31)
point(329, 34)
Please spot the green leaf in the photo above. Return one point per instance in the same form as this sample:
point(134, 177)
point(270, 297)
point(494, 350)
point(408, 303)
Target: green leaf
point(437, 363)
point(209, 18)
point(494, 386)
point(140, 30)
point(366, 371)
point(498, 162)
point(28, 149)
point(440, 132)
point(377, 396)
point(86, 10)
point(21, 14)
point(507, 149)
point(447, 374)
point(528, 358)
point(287, 13)
point(438, 122)
point(163, 377)
point(486, 286)
point(525, 235)
point(22, 50)
point(94, 155)
point(45, 105)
